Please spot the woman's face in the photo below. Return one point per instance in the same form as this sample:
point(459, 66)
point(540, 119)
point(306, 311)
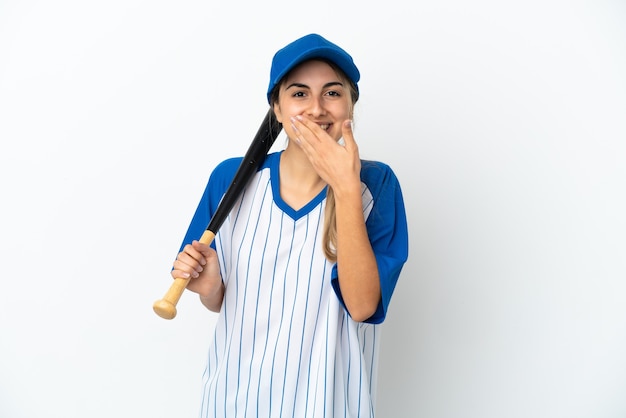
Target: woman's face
point(314, 90)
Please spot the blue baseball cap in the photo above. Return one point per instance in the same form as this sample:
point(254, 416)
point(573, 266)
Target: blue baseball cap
point(306, 48)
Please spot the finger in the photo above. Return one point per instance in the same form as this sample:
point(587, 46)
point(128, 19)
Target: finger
point(187, 263)
point(302, 123)
point(204, 249)
point(180, 274)
point(299, 138)
point(190, 264)
point(308, 129)
point(298, 127)
point(184, 271)
point(193, 251)
point(347, 133)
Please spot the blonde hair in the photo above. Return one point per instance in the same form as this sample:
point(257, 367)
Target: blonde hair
point(329, 238)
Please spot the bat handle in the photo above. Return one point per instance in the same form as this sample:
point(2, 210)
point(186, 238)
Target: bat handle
point(166, 307)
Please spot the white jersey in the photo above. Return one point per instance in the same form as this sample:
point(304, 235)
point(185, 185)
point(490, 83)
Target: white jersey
point(284, 345)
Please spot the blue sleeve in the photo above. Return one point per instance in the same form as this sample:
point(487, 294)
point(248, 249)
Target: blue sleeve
point(387, 230)
point(217, 185)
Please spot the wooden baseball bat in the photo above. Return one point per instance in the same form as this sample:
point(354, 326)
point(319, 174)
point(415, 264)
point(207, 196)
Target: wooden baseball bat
point(254, 157)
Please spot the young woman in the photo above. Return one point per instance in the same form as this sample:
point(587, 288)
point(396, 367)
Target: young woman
point(303, 269)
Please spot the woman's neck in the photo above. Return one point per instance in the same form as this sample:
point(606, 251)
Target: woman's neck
point(299, 183)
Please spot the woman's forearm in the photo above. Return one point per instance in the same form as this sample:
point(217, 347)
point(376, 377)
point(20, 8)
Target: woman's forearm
point(356, 263)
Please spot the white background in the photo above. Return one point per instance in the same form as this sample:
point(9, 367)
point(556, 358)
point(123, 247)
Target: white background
point(505, 122)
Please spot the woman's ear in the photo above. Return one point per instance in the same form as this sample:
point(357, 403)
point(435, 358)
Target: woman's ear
point(279, 116)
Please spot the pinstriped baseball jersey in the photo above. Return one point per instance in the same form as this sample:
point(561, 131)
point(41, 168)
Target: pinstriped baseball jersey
point(284, 344)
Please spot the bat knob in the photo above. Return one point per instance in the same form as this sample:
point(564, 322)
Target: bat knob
point(164, 308)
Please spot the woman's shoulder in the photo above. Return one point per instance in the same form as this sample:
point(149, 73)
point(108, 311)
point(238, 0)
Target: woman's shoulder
point(376, 171)
point(230, 165)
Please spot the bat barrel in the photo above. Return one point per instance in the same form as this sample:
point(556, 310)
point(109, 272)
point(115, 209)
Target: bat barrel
point(257, 151)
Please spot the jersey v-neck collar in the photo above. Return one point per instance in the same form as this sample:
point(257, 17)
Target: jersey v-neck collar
point(274, 165)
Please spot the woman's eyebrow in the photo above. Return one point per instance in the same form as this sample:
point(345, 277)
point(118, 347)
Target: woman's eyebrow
point(298, 85)
point(327, 85)
point(333, 83)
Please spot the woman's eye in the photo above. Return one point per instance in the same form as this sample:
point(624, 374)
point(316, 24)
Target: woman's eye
point(298, 94)
point(334, 93)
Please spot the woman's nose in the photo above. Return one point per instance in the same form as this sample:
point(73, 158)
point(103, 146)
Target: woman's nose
point(316, 107)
